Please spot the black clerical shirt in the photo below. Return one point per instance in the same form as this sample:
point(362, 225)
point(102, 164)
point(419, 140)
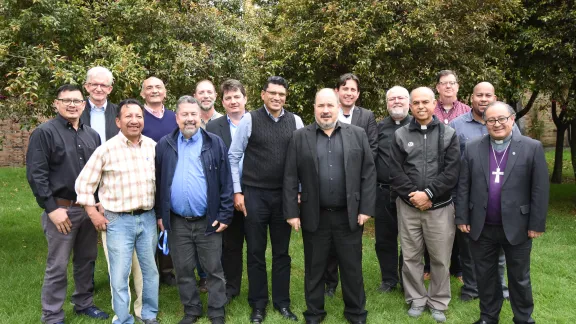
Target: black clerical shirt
point(331, 174)
point(56, 155)
point(386, 129)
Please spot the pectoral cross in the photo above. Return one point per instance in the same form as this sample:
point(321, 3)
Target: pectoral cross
point(497, 173)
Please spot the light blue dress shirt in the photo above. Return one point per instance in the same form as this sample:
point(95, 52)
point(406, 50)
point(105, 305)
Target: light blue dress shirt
point(188, 194)
point(98, 119)
point(240, 141)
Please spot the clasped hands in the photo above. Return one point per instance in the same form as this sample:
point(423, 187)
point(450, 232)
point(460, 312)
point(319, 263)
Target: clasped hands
point(420, 200)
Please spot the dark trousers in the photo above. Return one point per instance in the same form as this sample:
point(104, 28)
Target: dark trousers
point(334, 230)
point(165, 266)
point(331, 272)
point(185, 239)
point(264, 209)
point(485, 252)
point(82, 242)
point(386, 230)
point(232, 257)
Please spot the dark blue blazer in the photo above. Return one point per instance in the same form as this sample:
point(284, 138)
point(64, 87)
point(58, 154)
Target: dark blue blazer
point(214, 156)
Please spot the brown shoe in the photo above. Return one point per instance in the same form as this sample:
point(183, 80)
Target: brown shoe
point(426, 275)
point(202, 285)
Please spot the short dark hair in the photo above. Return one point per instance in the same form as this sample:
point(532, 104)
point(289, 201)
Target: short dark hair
point(67, 88)
point(128, 102)
point(445, 73)
point(232, 85)
point(276, 80)
point(345, 77)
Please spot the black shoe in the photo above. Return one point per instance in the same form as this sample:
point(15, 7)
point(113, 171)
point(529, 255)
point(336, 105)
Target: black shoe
point(217, 320)
point(480, 322)
point(287, 313)
point(258, 315)
point(466, 298)
point(386, 287)
point(329, 292)
point(202, 285)
point(168, 279)
point(357, 322)
point(189, 319)
point(315, 321)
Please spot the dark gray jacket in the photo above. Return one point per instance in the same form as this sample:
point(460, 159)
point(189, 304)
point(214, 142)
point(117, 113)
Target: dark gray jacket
point(415, 164)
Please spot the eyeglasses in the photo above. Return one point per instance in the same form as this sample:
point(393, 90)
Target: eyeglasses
point(74, 102)
point(274, 94)
point(501, 120)
point(96, 85)
point(445, 83)
point(399, 98)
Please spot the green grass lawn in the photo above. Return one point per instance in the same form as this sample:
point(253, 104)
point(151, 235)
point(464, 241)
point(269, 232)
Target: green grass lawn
point(23, 253)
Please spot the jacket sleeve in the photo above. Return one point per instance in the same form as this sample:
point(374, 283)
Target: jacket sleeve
point(462, 216)
point(372, 132)
point(367, 180)
point(226, 211)
point(540, 191)
point(38, 169)
point(290, 187)
point(448, 179)
point(158, 171)
point(399, 180)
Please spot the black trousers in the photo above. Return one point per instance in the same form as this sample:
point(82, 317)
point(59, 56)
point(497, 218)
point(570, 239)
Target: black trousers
point(334, 230)
point(485, 252)
point(386, 230)
point(232, 247)
point(264, 209)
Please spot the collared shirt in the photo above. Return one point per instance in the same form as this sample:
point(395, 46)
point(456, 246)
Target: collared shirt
point(233, 129)
point(56, 154)
point(240, 141)
point(158, 114)
point(346, 119)
point(123, 173)
point(214, 116)
point(446, 117)
point(98, 119)
point(188, 193)
point(386, 129)
point(331, 174)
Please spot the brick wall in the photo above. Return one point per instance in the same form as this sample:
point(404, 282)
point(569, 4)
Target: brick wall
point(14, 143)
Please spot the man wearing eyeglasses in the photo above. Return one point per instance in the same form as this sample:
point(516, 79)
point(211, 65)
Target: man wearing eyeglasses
point(262, 139)
point(502, 202)
point(58, 150)
point(99, 113)
point(386, 221)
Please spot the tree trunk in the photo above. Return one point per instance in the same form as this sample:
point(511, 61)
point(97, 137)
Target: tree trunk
point(558, 154)
point(572, 141)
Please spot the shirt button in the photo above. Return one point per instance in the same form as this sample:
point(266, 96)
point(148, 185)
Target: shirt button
point(80, 158)
point(330, 165)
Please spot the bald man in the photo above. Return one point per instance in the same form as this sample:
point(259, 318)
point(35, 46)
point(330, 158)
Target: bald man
point(158, 121)
point(333, 162)
point(424, 167)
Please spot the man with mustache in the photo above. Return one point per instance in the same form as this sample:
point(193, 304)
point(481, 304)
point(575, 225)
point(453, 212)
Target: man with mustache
point(206, 95)
point(424, 166)
point(194, 204)
point(122, 170)
point(333, 163)
point(57, 152)
point(386, 220)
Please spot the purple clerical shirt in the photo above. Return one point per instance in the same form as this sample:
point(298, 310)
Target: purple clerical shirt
point(494, 208)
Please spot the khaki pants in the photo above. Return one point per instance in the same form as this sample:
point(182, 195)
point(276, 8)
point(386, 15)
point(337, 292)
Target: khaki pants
point(136, 274)
point(435, 228)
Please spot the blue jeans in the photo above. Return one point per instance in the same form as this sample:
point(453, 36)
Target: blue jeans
point(125, 233)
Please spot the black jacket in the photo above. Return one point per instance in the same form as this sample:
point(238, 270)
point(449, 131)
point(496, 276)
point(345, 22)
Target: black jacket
point(365, 119)
point(110, 116)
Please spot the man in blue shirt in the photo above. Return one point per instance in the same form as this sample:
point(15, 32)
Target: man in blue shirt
point(194, 204)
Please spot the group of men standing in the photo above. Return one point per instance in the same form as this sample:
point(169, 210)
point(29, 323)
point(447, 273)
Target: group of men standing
point(208, 181)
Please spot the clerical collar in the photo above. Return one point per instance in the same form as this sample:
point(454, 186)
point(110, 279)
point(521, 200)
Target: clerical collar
point(500, 145)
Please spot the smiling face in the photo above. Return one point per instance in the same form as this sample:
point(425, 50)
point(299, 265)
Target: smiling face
point(497, 130)
point(326, 108)
point(98, 87)
point(234, 102)
point(153, 91)
point(70, 111)
point(188, 118)
point(397, 103)
point(422, 104)
point(483, 96)
point(447, 86)
point(131, 121)
point(274, 97)
point(206, 95)
point(348, 93)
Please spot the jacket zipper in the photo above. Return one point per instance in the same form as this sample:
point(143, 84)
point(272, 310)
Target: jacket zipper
point(425, 162)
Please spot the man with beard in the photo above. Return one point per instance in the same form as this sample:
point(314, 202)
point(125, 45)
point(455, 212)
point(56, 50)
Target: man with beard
point(194, 204)
point(386, 221)
point(206, 95)
point(122, 170)
point(469, 127)
point(334, 165)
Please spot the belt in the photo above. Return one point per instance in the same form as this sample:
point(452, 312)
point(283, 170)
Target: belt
point(382, 186)
point(66, 202)
point(136, 212)
point(333, 209)
point(188, 218)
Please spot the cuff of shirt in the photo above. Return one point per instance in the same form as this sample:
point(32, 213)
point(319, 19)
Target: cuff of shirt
point(86, 200)
point(429, 193)
point(237, 187)
point(50, 205)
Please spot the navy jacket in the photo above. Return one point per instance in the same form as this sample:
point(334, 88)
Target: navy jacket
point(220, 205)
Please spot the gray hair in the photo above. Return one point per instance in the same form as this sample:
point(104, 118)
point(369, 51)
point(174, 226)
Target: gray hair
point(499, 103)
point(426, 89)
point(399, 89)
point(97, 70)
point(186, 99)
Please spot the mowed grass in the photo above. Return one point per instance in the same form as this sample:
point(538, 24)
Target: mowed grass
point(23, 253)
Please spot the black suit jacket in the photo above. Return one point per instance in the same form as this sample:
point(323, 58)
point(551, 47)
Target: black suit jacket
point(302, 166)
point(525, 188)
point(220, 127)
point(110, 116)
point(365, 119)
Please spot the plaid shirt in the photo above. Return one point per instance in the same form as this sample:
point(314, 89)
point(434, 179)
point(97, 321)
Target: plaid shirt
point(124, 174)
point(458, 109)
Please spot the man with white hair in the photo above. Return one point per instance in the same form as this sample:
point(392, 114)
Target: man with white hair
point(99, 113)
point(386, 221)
point(424, 166)
point(333, 163)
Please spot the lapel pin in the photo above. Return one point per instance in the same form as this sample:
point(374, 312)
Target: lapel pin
point(513, 153)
